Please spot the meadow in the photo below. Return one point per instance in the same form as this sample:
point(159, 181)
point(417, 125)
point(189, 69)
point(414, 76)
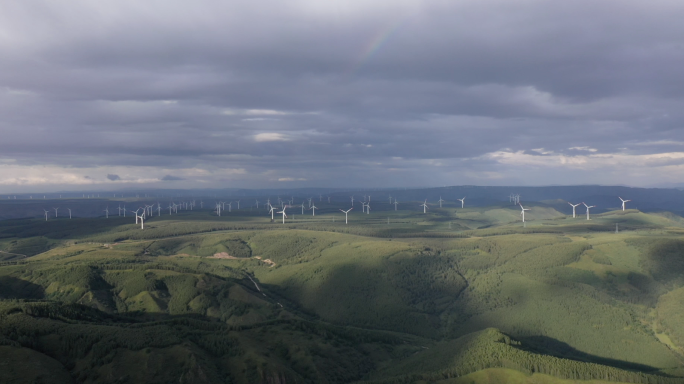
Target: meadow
point(451, 296)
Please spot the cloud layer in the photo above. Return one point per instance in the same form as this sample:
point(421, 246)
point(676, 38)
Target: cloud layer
point(110, 94)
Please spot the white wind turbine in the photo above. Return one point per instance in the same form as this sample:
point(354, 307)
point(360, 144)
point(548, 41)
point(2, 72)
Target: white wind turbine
point(238, 204)
point(363, 206)
point(352, 200)
point(119, 210)
point(395, 204)
point(283, 212)
point(55, 211)
point(271, 211)
point(136, 214)
point(46, 213)
point(390, 199)
point(368, 208)
point(142, 219)
point(522, 212)
point(257, 203)
point(462, 201)
point(158, 209)
point(345, 214)
point(313, 209)
point(573, 208)
point(106, 211)
point(425, 206)
point(588, 207)
point(302, 208)
point(623, 202)
point(440, 201)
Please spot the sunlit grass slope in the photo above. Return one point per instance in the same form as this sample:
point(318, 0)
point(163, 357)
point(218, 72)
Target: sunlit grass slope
point(424, 297)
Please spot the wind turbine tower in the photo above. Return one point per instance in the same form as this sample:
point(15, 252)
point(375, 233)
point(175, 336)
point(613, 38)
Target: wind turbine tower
point(345, 214)
point(573, 208)
point(588, 207)
point(623, 202)
point(523, 212)
point(462, 201)
point(425, 206)
point(440, 201)
point(283, 212)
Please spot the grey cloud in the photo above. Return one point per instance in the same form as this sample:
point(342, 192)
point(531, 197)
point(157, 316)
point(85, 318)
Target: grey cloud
point(113, 177)
point(120, 84)
point(171, 178)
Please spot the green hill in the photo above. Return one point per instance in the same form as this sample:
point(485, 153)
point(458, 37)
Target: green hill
point(438, 297)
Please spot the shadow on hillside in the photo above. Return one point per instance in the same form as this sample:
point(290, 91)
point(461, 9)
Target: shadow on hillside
point(549, 346)
point(14, 288)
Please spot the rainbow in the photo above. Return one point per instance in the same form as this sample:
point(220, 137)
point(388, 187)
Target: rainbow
point(374, 45)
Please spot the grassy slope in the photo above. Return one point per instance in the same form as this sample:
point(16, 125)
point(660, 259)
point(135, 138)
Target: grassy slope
point(586, 291)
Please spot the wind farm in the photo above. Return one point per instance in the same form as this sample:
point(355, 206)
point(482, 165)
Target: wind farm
point(294, 267)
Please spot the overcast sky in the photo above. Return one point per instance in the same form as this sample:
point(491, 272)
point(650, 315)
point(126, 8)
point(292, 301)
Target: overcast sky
point(113, 94)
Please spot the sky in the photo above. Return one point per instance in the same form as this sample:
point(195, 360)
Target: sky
point(124, 94)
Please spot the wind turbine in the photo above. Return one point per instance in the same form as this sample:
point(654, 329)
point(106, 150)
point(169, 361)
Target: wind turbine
point(462, 201)
point(390, 198)
point(106, 211)
point(55, 211)
point(313, 209)
point(238, 204)
point(142, 219)
point(425, 206)
point(46, 213)
point(440, 201)
point(302, 208)
point(352, 200)
point(523, 212)
point(283, 212)
point(395, 204)
point(588, 206)
point(623, 202)
point(272, 210)
point(257, 203)
point(345, 214)
point(363, 206)
point(573, 208)
point(136, 214)
point(368, 208)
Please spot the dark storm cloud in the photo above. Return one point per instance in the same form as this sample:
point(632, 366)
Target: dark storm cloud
point(330, 91)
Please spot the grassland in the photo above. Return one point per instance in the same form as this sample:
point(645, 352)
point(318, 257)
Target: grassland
point(454, 295)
